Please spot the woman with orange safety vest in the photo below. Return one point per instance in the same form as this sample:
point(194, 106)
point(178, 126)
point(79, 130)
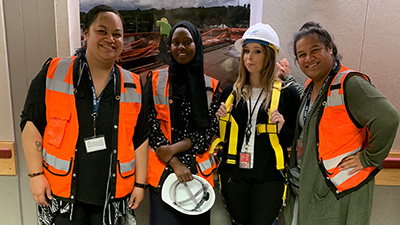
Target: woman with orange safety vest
point(182, 106)
point(345, 130)
point(84, 132)
point(257, 119)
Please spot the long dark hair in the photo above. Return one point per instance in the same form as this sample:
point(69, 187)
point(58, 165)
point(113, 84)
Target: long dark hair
point(313, 28)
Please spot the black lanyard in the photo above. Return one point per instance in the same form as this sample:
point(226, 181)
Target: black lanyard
point(96, 101)
point(248, 126)
point(308, 100)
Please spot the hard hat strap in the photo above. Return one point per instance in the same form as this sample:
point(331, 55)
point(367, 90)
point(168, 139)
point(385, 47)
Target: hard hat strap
point(192, 197)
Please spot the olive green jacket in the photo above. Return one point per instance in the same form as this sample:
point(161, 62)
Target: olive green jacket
point(317, 204)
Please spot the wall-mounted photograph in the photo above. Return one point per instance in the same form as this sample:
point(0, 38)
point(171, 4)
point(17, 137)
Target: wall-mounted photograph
point(147, 25)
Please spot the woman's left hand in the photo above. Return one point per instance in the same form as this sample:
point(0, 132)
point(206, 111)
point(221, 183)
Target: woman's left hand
point(136, 198)
point(277, 118)
point(351, 162)
point(165, 153)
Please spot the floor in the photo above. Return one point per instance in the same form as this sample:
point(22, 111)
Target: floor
point(385, 211)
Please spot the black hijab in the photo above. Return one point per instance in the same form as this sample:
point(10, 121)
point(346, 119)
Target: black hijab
point(188, 80)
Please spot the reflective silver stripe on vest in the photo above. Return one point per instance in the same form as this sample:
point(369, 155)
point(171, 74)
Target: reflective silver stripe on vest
point(334, 162)
point(336, 99)
point(55, 162)
point(160, 98)
point(130, 96)
point(126, 167)
point(206, 164)
point(208, 83)
point(57, 83)
point(342, 177)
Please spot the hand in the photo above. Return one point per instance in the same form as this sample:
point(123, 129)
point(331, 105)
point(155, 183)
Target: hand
point(222, 110)
point(277, 118)
point(282, 69)
point(181, 171)
point(136, 198)
point(165, 153)
point(40, 188)
point(352, 161)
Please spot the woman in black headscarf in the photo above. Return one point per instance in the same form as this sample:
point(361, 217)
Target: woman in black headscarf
point(182, 103)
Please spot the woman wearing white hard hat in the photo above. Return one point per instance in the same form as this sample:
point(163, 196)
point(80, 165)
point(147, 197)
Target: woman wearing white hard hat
point(258, 115)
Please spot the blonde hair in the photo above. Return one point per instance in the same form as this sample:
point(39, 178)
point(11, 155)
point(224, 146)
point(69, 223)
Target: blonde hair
point(242, 87)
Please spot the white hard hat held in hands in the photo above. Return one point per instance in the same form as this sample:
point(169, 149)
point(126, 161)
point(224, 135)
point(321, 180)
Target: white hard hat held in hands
point(262, 34)
point(192, 198)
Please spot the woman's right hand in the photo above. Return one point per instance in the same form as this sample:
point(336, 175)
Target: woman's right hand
point(222, 110)
point(40, 189)
point(181, 171)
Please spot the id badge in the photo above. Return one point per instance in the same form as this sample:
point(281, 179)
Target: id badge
point(94, 144)
point(244, 160)
point(299, 148)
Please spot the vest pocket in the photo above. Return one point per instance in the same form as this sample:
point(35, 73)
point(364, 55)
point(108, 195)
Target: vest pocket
point(57, 166)
point(126, 167)
point(56, 126)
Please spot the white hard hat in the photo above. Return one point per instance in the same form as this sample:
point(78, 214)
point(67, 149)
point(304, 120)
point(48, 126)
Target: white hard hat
point(192, 198)
point(261, 33)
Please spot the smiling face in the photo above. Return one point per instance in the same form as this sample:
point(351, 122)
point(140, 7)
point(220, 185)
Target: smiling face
point(253, 58)
point(183, 47)
point(104, 38)
point(314, 58)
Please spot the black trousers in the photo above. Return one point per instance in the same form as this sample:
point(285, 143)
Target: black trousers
point(163, 214)
point(251, 202)
point(84, 214)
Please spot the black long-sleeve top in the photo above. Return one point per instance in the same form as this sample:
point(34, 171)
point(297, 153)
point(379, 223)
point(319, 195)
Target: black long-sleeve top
point(180, 120)
point(264, 168)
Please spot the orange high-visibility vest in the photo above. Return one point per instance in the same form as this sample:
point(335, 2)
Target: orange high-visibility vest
point(61, 133)
point(156, 167)
point(339, 138)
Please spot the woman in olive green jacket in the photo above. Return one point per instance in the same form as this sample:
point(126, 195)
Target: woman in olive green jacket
point(332, 182)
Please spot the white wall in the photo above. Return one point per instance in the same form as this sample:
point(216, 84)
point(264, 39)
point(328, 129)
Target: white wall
point(6, 124)
point(67, 27)
point(34, 31)
point(365, 31)
point(8, 183)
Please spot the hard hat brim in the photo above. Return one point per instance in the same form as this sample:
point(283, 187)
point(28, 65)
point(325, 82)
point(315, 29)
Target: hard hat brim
point(239, 44)
point(167, 198)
